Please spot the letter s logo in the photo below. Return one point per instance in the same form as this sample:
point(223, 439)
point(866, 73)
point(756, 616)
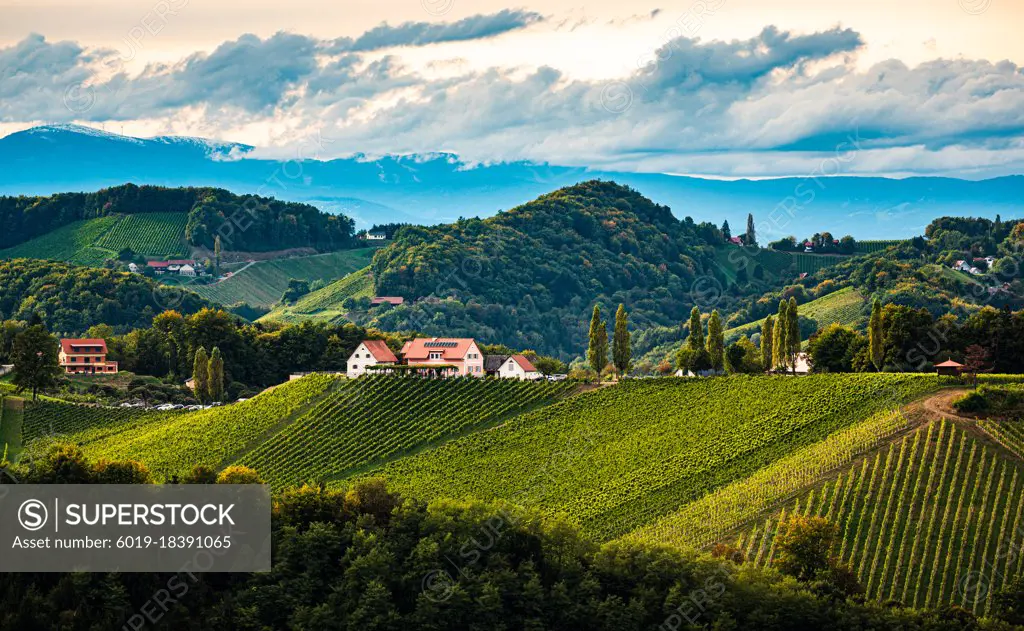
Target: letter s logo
point(33, 515)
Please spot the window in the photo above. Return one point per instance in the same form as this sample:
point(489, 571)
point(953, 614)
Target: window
point(435, 355)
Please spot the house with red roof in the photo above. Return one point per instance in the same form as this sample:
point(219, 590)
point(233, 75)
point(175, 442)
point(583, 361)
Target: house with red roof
point(85, 357)
point(517, 367)
point(453, 356)
point(369, 353)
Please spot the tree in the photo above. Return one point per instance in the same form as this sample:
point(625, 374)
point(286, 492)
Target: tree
point(767, 333)
point(36, 364)
point(216, 255)
point(215, 376)
point(780, 337)
point(975, 361)
point(751, 236)
point(804, 545)
point(201, 375)
point(875, 349)
point(793, 333)
point(716, 341)
point(742, 357)
point(690, 360)
point(696, 339)
point(597, 352)
point(621, 353)
point(726, 232)
point(295, 290)
point(833, 348)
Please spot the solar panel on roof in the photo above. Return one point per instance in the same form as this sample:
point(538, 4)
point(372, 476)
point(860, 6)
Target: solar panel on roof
point(441, 344)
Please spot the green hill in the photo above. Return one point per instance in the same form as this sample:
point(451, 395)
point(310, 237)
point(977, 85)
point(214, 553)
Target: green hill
point(614, 460)
point(846, 306)
point(90, 241)
point(262, 283)
point(934, 518)
point(325, 305)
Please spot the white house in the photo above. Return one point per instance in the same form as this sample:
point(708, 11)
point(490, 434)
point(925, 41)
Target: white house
point(187, 270)
point(376, 236)
point(369, 353)
point(963, 266)
point(517, 367)
point(132, 267)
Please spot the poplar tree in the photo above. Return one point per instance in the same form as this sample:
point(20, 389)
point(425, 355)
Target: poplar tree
point(716, 341)
point(201, 375)
point(780, 336)
point(597, 351)
point(875, 335)
point(751, 236)
point(621, 353)
point(216, 255)
point(215, 378)
point(696, 340)
point(793, 334)
point(767, 331)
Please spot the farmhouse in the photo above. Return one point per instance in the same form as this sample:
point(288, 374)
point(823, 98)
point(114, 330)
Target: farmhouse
point(183, 267)
point(369, 353)
point(376, 236)
point(391, 300)
point(459, 356)
point(85, 357)
point(517, 367)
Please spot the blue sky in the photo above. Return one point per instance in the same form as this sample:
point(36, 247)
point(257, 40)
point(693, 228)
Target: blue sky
point(719, 88)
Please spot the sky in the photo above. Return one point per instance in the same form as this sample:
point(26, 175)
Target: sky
point(717, 88)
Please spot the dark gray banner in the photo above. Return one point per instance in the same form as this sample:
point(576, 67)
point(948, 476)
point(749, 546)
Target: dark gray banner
point(134, 528)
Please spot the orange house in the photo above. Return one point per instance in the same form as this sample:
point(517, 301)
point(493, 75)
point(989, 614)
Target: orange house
point(85, 357)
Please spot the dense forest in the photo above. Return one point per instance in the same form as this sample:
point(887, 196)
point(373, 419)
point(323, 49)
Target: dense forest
point(529, 276)
point(365, 559)
point(244, 222)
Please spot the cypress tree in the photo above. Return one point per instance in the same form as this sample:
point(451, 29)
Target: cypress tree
point(793, 334)
point(780, 336)
point(201, 375)
point(696, 340)
point(751, 236)
point(716, 341)
point(215, 378)
point(767, 331)
point(875, 335)
point(726, 232)
point(621, 353)
point(216, 255)
point(597, 351)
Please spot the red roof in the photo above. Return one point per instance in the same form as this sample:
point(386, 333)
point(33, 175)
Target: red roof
point(167, 263)
point(524, 363)
point(394, 300)
point(949, 363)
point(451, 348)
point(380, 351)
point(69, 346)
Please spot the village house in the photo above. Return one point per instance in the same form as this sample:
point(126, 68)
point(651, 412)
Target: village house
point(187, 270)
point(132, 267)
point(458, 356)
point(85, 357)
point(391, 300)
point(376, 236)
point(182, 267)
point(516, 367)
point(369, 353)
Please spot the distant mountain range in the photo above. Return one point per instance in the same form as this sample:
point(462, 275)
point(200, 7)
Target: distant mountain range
point(438, 188)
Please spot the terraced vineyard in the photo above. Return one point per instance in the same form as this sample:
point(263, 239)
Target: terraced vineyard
point(933, 519)
point(617, 459)
point(91, 241)
point(325, 304)
point(215, 437)
point(845, 306)
point(370, 420)
point(811, 263)
point(154, 234)
point(262, 283)
point(868, 247)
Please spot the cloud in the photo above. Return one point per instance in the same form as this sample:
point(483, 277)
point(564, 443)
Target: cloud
point(778, 103)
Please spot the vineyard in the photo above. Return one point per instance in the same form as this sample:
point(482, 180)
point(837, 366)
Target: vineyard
point(174, 444)
point(83, 423)
point(870, 247)
point(325, 304)
point(153, 234)
point(933, 519)
point(374, 419)
point(91, 241)
point(617, 459)
point(845, 306)
point(11, 419)
point(811, 263)
point(263, 283)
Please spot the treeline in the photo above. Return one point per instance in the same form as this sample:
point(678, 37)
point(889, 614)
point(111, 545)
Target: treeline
point(244, 222)
point(821, 242)
point(364, 559)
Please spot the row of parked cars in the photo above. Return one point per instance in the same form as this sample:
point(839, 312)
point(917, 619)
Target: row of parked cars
point(165, 407)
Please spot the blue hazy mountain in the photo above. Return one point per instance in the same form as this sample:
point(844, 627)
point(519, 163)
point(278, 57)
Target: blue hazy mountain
point(439, 188)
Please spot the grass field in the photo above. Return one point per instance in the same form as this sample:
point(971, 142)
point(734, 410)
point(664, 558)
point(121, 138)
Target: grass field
point(324, 305)
point(934, 518)
point(845, 306)
point(91, 241)
point(617, 459)
point(262, 283)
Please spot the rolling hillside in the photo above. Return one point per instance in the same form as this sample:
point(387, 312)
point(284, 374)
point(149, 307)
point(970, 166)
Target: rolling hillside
point(90, 241)
point(262, 283)
point(846, 306)
point(325, 305)
point(614, 460)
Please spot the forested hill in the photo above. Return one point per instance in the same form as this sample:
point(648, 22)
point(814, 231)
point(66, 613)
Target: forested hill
point(245, 222)
point(70, 298)
point(530, 276)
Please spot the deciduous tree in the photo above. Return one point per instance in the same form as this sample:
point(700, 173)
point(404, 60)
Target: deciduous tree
point(201, 375)
point(875, 349)
point(597, 351)
point(36, 364)
point(215, 376)
point(716, 341)
point(767, 335)
point(621, 353)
